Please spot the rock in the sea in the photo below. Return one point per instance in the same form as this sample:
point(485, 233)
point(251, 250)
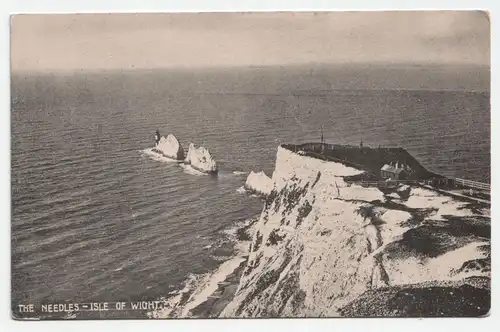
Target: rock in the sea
point(170, 147)
point(200, 159)
point(259, 183)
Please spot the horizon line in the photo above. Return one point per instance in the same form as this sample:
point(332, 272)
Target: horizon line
point(388, 64)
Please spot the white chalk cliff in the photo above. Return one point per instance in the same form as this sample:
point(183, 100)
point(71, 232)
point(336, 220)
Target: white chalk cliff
point(170, 147)
point(200, 159)
point(259, 183)
point(323, 247)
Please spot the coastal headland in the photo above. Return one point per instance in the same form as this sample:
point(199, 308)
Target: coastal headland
point(326, 245)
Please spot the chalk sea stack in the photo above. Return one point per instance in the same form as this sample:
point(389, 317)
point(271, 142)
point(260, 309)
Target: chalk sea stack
point(201, 160)
point(259, 183)
point(169, 147)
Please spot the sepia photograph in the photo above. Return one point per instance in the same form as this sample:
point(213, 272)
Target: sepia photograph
point(250, 165)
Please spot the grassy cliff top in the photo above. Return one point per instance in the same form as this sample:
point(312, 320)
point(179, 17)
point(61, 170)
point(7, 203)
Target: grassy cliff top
point(365, 158)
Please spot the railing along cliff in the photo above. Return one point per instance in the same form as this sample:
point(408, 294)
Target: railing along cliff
point(452, 182)
point(472, 184)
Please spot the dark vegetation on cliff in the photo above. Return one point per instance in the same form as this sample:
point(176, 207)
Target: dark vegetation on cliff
point(366, 158)
point(470, 297)
point(434, 238)
point(424, 300)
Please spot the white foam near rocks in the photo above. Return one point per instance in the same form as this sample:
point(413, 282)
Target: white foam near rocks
point(170, 147)
point(199, 288)
point(156, 156)
point(212, 283)
point(192, 171)
point(200, 159)
point(241, 190)
point(259, 183)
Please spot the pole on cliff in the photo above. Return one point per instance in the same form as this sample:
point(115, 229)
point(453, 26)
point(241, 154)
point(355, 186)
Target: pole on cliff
point(322, 142)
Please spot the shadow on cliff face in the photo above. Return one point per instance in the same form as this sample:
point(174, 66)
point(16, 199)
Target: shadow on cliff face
point(460, 300)
point(436, 237)
point(402, 191)
point(368, 212)
point(258, 291)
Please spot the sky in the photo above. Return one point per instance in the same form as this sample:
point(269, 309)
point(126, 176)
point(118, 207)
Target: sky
point(74, 42)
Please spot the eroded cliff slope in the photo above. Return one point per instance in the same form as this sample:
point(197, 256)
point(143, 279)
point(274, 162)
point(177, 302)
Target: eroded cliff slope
point(324, 247)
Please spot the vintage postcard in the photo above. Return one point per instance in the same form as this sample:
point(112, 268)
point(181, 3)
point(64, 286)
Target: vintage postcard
point(249, 165)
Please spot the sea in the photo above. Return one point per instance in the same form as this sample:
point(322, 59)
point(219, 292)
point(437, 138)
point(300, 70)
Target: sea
point(95, 217)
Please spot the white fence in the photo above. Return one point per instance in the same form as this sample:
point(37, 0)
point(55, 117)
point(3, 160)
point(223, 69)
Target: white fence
point(472, 184)
point(431, 182)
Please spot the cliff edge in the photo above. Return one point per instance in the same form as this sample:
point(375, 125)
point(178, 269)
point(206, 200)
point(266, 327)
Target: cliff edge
point(324, 247)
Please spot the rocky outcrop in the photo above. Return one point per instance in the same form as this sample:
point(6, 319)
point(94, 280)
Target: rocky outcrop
point(259, 183)
point(201, 160)
point(169, 147)
point(323, 246)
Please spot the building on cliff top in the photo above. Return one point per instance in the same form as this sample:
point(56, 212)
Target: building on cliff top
point(394, 171)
